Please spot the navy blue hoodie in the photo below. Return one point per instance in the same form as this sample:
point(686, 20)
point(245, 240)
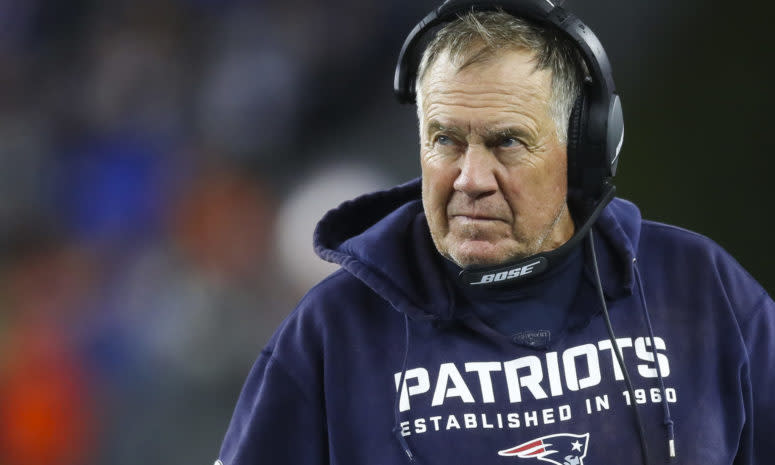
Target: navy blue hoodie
point(329, 389)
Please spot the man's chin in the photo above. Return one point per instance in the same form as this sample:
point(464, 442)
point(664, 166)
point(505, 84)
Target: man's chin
point(474, 253)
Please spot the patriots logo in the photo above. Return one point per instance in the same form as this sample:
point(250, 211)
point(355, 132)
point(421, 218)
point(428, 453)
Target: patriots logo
point(565, 449)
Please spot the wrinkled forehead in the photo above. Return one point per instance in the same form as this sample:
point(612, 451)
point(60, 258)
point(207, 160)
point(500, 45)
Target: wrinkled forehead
point(507, 77)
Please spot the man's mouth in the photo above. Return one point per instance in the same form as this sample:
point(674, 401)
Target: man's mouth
point(475, 217)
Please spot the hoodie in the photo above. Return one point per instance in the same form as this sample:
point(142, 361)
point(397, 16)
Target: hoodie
point(382, 364)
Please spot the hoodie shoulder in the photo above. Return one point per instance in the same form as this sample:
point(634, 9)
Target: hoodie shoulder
point(699, 261)
point(339, 296)
point(678, 261)
point(298, 343)
point(339, 290)
point(678, 240)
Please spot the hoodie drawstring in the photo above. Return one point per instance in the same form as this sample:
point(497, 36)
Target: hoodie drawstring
point(397, 427)
point(668, 422)
point(612, 337)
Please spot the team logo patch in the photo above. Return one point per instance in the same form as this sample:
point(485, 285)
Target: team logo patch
point(559, 449)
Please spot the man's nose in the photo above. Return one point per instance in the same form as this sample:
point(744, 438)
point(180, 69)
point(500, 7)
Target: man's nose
point(477, 173)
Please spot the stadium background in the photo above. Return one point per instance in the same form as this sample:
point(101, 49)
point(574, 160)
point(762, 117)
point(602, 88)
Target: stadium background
point(163, 162)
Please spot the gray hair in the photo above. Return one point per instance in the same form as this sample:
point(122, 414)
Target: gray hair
point(477, 36)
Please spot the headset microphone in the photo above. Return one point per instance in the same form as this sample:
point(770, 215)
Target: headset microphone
point(489, 276)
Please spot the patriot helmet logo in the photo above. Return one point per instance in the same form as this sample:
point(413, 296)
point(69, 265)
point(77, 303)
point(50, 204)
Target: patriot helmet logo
point(559, 449)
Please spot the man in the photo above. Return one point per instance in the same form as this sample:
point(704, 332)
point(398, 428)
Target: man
point(470, 320)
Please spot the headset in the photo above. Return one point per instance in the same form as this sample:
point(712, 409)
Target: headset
point(595, 129)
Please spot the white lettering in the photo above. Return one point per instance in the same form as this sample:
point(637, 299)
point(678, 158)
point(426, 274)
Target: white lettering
point(405, 428)
point(643, 351)
point(448, 373)
point(531, 381)
point(483, 369)
point(621, 343)
point(589, 352)
point(527, 269)
point(510, 274)
point(423, 385)
point(531, 417)
point(553, 369)
point(541, 375)
point(473, 421)
point(419, 426)
point(548, 415)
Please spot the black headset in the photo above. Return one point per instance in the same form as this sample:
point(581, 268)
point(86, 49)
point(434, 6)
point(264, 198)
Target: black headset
point(595, 129)
point(596, 126)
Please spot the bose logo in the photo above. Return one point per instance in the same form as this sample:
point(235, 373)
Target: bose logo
point(508, 274)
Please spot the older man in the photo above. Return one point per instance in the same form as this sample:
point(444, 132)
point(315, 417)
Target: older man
point(470, 320)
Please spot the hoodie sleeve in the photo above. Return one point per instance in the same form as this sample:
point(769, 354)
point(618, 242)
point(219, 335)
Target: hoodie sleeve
point(756, 443)
point(275, 421)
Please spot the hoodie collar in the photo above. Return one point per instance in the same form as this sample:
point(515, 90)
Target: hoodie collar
point(382, 238)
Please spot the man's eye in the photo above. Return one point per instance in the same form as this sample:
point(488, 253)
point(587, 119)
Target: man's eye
point(507, 142)
point(444, 140)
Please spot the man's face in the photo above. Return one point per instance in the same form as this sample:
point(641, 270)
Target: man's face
point(494, 173)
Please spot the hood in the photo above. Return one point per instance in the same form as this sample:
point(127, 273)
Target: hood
point(383, 239)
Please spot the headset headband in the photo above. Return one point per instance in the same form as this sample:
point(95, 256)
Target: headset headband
point(541, 11)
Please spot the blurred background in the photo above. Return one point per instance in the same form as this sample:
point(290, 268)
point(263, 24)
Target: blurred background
point(163, 163)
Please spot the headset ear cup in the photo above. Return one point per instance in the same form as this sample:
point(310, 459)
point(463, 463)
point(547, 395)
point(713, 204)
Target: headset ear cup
point(575, 146)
